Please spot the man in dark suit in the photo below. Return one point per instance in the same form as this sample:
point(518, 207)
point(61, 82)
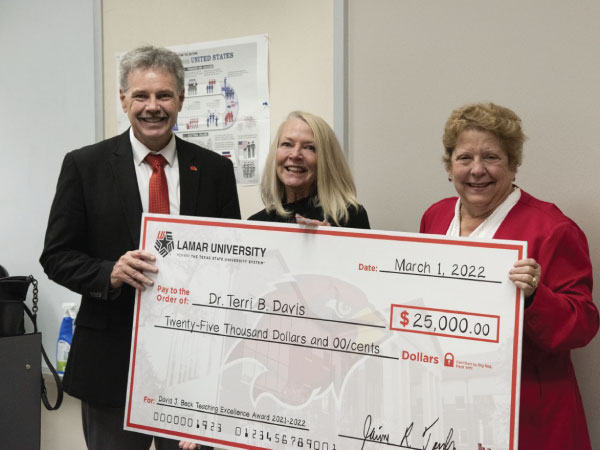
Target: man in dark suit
point(94, 231)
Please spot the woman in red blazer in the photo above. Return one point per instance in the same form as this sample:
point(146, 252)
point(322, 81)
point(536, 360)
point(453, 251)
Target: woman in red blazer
point(483, 148)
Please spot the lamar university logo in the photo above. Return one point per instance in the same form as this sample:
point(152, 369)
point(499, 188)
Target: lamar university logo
point(164, 243)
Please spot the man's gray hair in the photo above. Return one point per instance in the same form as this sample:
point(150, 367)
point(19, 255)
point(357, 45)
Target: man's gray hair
point(150, 57)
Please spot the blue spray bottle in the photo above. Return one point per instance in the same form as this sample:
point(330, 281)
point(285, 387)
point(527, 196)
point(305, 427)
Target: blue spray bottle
point(65, 336)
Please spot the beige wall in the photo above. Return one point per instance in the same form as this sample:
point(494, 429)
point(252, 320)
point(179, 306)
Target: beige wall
point(410, 63)
point(300, 49)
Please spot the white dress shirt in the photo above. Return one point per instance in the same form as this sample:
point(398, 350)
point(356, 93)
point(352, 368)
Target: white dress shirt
point(143, 171)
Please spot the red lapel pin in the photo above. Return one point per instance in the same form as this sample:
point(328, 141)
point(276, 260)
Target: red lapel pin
point(193, 168)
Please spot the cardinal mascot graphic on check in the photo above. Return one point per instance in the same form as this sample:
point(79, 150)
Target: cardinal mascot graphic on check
point(332, 308)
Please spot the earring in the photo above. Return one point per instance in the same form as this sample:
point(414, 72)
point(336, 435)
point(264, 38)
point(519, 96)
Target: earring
point(449, 179)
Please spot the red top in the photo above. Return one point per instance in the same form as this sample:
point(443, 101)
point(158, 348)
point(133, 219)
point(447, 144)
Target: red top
point(561, 317)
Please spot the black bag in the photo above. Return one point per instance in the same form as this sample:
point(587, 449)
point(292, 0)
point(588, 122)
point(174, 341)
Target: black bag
point(13, 292)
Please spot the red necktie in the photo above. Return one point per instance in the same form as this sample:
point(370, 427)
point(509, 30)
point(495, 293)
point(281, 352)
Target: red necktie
point(159, 190)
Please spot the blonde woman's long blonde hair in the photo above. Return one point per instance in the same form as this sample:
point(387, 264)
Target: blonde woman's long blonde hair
point(335, 191)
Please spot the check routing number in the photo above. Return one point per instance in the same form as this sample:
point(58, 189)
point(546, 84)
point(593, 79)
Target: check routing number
point(272, 336)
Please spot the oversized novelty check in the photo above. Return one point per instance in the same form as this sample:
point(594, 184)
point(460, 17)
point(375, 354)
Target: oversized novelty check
point(271, 336)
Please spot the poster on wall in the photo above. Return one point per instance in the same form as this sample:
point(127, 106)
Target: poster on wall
point(226, 107)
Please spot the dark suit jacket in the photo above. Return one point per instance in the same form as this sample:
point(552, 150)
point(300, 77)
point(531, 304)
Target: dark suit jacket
point(95, 218)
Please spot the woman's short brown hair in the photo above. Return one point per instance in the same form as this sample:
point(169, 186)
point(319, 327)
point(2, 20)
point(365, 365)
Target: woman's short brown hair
point(498, 120)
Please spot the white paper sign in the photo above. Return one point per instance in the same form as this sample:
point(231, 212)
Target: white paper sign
point(259, 335)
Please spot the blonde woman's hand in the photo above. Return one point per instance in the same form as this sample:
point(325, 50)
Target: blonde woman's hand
point(300, 220)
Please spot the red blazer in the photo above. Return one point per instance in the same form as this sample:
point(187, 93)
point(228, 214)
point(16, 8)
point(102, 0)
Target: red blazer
point(562, 316)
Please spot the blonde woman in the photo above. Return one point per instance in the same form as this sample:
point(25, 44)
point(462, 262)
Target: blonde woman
point(307, 179)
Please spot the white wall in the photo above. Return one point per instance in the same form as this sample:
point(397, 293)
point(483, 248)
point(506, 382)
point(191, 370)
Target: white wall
point(48, 91)
point(410, 63)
